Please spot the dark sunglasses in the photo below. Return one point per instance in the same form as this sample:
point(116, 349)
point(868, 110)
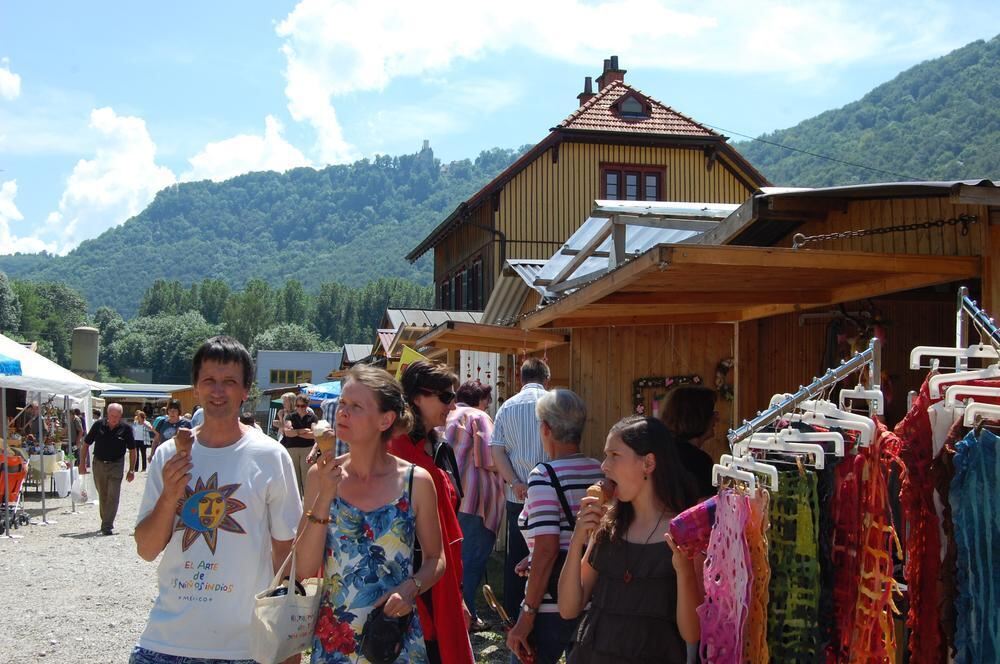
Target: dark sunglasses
point(445, 397)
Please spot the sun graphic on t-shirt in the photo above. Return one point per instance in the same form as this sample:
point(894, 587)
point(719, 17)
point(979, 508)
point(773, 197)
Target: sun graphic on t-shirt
point(206, 510)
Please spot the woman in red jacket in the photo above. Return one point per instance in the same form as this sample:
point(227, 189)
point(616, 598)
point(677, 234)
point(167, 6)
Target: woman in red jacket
point(430, 391)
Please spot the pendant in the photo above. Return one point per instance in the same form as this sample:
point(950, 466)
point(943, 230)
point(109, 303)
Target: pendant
point(628, 577)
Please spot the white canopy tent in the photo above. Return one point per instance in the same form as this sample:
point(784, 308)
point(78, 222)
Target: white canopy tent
point(44, 378)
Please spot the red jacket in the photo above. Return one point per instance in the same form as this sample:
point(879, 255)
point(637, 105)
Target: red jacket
point(446, 624)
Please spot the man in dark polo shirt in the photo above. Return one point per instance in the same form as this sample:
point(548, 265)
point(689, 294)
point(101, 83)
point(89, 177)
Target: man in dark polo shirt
point(111, 438)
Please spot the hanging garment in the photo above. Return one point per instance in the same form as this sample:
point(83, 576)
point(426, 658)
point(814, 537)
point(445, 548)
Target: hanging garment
point(846, 510)
point(873, 636)
point(793, 612)
point(975, 507)
point(723, 614)
point(943, 472)
point(923, 546)
point(755, 643)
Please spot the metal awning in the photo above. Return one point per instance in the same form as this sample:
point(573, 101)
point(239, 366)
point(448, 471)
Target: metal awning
point(455, 335)
point(681, 283)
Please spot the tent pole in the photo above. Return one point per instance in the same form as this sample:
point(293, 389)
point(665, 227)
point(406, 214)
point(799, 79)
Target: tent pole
point(69, 446)
point(41, 456)
point(6, 451)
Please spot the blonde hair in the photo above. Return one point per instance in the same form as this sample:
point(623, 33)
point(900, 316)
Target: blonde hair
point(288, 400)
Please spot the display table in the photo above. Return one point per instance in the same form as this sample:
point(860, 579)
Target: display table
point(64, 481)
point(47, 463)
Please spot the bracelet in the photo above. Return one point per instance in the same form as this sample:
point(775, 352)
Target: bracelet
point(316, 519)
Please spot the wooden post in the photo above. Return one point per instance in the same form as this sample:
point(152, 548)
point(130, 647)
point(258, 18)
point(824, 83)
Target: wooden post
point(991, 266)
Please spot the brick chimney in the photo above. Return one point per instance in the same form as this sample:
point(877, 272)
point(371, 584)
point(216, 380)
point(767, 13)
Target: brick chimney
point(611, 73)
point(588, 91)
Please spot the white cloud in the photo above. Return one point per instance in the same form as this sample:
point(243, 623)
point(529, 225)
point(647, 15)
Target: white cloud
point(10, 83)
point(117, 183)
point(9, 243)
point(244, 153)
point(341, 47)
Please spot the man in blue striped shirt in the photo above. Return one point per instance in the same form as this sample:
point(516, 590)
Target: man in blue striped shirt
point(516, 447)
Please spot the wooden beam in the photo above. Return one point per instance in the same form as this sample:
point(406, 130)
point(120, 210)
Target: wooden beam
point(490, 333)
point(801, 204)
point(593, 243)
point(660, 319)
point(966, 194)
point(742, 297)
point(609, 283)
point(730, 227)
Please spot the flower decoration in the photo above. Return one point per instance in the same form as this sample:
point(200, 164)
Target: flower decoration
point(662, 382)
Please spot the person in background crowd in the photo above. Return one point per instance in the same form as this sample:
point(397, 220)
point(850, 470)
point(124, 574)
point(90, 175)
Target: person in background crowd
point(298, 438)
point(689, 413)
point(429, 390)
point(517, 448)
point(541, 635)
point(198, 418)
point(221, 506)
point(287, 408)
point(30, 425)
point(162, 415)
point(111, 438)
point(364, 504)
point(246, 417)
point(142, 432)
point(469, 431)
point(76, 435)
point(642, 601)
point(168, 426)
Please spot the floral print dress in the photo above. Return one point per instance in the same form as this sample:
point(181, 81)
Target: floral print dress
point(367, 554)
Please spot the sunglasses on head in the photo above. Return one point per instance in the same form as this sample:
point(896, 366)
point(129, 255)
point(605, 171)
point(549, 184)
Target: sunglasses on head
point(446, 397)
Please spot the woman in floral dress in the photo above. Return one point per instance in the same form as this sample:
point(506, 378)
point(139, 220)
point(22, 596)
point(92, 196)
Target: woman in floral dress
point(370, 506)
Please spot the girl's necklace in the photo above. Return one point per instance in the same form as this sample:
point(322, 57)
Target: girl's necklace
point(628, 569)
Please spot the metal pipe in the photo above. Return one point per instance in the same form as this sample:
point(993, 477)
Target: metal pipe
point(69, 447)
point(961, 329)
point(41, 455)
point(980, 318)
point(6, 451)
point(871, 356)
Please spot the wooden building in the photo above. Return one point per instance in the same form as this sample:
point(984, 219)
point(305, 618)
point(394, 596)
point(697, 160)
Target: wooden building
point(740, 308)
point(620, 143)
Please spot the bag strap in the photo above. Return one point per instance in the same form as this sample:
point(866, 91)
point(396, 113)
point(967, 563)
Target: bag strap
point(409, 484)
point(562, 495)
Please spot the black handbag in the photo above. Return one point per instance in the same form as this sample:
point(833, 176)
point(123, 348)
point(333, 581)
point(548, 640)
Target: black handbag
point(382, 636)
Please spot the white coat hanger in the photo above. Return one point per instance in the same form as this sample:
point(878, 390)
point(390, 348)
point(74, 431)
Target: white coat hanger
point(936, 382)
point(953, 394)
point(773, 443)
point(865, 426)
point(973, 352)
point(750, 466)
point(861, 392)
point(976, 412)
point(720, 471)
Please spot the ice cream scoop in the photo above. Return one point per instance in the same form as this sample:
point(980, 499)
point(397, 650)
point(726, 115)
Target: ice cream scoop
point(603, 490)
point(324, 435)
point(184, 440)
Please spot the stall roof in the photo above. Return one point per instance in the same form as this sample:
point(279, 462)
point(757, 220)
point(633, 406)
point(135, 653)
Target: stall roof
point(740, 283)
point(426, 317)
point(145, 391)
point(356, 352)
point(511, 290)
point(489, 338)
point(619, 230)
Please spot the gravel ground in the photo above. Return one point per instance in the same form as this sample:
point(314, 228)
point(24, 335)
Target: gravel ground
point(75, 596)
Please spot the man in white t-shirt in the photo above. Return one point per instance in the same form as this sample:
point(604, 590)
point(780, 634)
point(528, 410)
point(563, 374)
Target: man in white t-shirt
point(222, 509)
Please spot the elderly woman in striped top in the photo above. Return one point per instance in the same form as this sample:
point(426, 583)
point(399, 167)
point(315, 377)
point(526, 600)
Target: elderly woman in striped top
point(555, 489)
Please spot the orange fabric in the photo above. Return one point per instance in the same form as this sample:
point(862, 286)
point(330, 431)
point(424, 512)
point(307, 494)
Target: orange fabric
point(443, 620)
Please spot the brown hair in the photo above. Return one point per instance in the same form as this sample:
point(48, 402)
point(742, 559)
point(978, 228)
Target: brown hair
point(688, 410)
point(471, 392)
point(671, 482)
point(425, 376)
point(534, 370)
point(388, 396)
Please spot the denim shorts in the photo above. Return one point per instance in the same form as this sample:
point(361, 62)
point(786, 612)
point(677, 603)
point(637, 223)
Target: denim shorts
point(144, 656)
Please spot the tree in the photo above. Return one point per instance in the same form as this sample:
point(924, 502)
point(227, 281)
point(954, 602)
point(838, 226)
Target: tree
point(111, 325)
point(212, 299)
point(10, 307)
point(163, 297)
point(50, 311)
point(249, 312)
point(164, 343)
point(327, 314)
point(292, 303)
point(287, 336)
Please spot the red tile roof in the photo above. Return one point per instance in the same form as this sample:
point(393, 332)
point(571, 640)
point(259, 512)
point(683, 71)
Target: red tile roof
point(598, 114)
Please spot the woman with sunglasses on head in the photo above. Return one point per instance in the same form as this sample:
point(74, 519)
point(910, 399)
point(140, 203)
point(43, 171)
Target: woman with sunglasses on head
point(430, 393)
point(366, 511)
point(642, 599)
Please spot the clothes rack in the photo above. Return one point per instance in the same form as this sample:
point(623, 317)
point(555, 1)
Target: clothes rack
point(871, 357)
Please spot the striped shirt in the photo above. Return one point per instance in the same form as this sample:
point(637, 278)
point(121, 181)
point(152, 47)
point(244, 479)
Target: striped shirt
point(329, 409)
point(469, 431)
point(543, 514)
point(516, 430)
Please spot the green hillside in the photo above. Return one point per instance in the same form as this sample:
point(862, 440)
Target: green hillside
point(939, 120)
point(349, 224)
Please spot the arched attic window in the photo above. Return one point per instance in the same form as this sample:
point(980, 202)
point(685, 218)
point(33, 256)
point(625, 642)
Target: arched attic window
point(631, 106)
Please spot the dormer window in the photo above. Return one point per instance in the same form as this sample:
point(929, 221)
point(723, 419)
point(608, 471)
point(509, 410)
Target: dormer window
point(633, 107)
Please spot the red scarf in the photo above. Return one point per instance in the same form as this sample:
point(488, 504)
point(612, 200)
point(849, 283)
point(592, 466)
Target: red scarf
point(446, 624)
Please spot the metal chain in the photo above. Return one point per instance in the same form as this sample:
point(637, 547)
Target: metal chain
point(966, 220)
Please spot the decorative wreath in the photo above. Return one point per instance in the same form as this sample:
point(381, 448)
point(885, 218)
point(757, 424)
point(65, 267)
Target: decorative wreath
point(724, 388)
point(639, 404)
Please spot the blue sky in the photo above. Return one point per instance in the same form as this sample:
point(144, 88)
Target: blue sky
point(104, 103)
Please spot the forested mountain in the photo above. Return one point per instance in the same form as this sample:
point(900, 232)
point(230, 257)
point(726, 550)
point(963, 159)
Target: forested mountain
point(939, 120)
point(349, 224)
